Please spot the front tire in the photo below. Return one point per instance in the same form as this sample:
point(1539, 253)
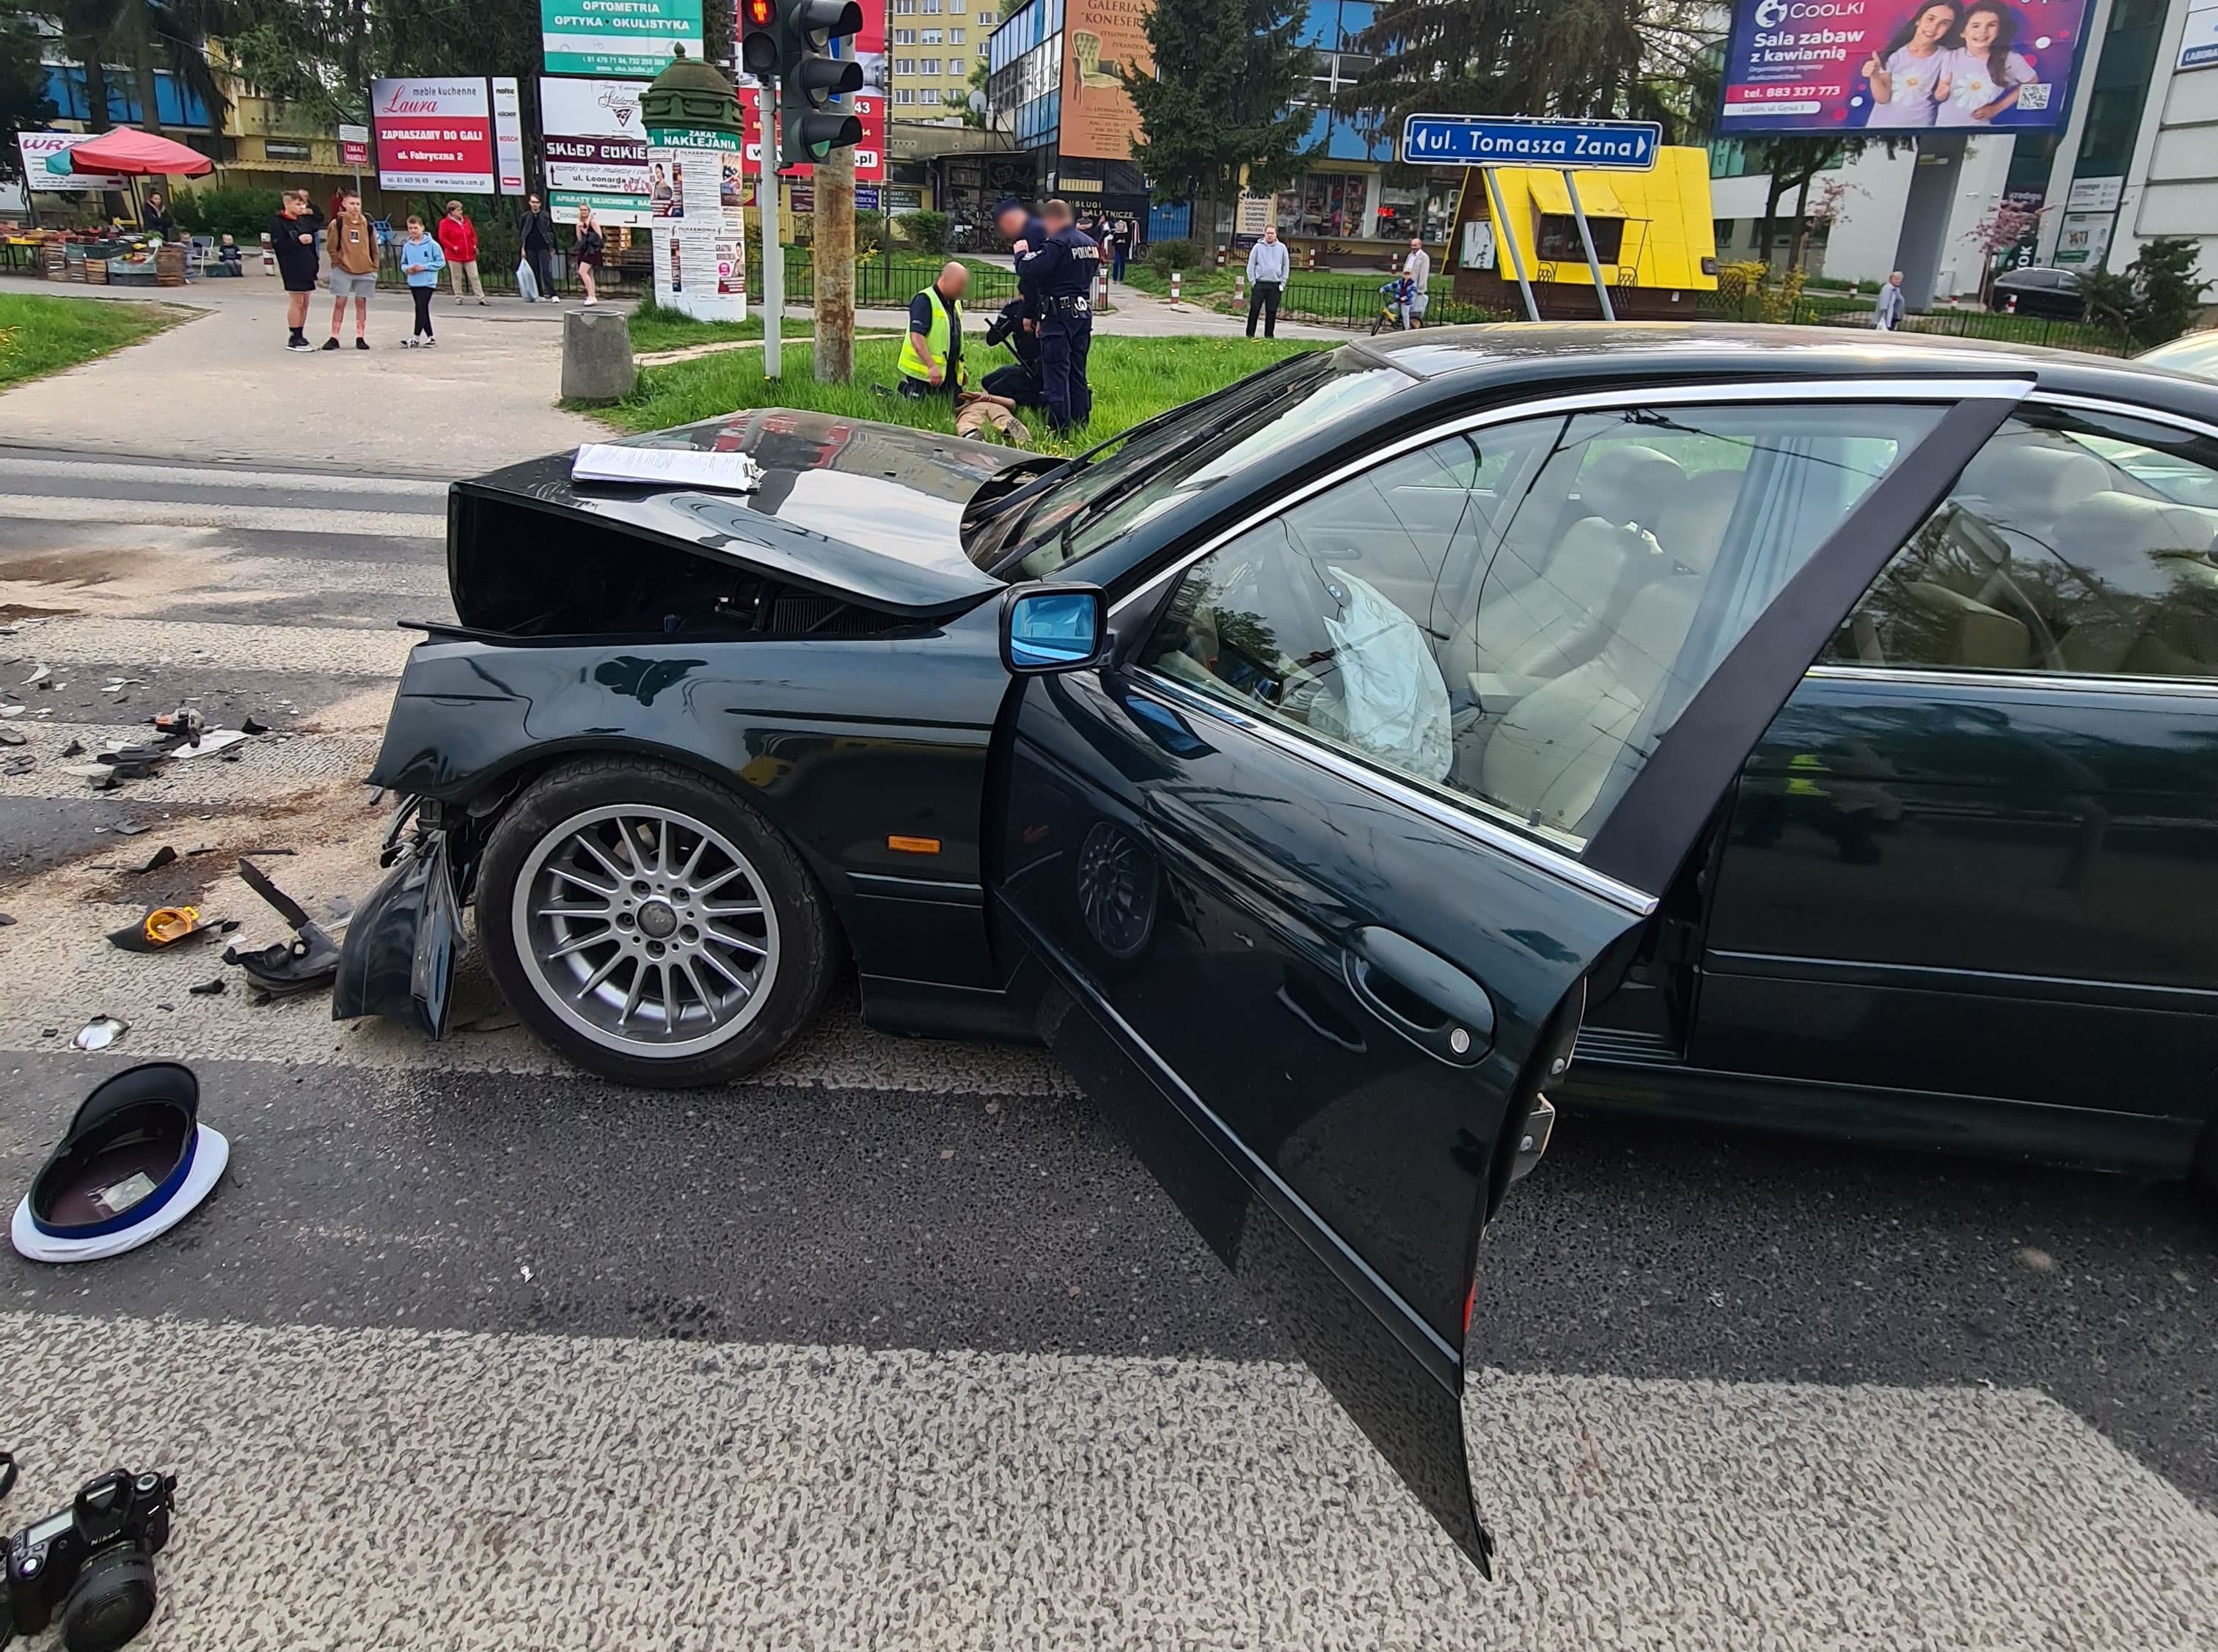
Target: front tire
point(650, 925)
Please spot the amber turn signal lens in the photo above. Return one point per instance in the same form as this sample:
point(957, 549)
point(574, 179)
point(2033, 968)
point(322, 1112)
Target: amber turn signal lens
point(914, 846)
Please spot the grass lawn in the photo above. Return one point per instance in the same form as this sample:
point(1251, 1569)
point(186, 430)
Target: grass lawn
point(656, 329)
point(1133, 378)
point(38, 335)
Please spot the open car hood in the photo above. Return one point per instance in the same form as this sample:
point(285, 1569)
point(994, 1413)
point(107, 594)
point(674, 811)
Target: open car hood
point(867, 513)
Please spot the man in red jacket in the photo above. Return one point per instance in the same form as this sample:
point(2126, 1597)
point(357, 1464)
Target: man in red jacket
point(458, 239)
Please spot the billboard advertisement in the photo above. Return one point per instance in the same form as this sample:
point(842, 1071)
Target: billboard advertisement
point(595, 150)
point(628, 39)
point(1100, 37)
point(39, 147)
point(869, 105)
point(699, 230)
point(2198, 45)
point(1901, 65)
point(508, 134)
point(433, 133)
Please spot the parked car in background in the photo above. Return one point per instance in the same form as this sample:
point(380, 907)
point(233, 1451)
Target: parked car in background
point(2041, 292)
point(2194, 354)
point(1764, 724)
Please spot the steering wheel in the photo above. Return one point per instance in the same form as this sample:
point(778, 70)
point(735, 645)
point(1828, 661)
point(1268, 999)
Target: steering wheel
point(1999, 583)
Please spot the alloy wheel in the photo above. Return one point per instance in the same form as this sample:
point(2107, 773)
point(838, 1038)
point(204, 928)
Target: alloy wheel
point(646, 929)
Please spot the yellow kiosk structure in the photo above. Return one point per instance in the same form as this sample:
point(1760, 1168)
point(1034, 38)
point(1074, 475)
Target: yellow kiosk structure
point(1654, 238)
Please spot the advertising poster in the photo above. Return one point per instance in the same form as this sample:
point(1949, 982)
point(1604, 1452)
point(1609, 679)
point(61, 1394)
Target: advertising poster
point(1901, 65)
point(699, 225)
point(1100, 37)
point(508, 134)
point(594, 147)
point(868, 106)
point(434, 134)
point(631, 40)
point(39, 147)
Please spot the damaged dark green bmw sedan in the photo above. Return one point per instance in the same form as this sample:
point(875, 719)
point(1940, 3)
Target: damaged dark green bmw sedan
point(1305, 767)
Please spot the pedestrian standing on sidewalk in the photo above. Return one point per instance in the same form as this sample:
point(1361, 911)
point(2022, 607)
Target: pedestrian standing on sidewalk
point(1418, 267)
point(590, 244)
point(1120, 248)
point(1267, 264)
point(293, 240)
point(536, 231)
point(1886, 310)
point(352, 241)
point(458, 239)
point(420, 263)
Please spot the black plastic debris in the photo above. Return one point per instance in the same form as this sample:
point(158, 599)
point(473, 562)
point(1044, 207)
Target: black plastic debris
point(253, 726)
point(161, 857)
point(308, 961)
point(207, 988)
point(74, 749)
point(23, 765)
point(130, 829)
point(162, 927)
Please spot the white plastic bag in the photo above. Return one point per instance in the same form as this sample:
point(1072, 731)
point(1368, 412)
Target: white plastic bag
point(1393, 702)
point(527, 285)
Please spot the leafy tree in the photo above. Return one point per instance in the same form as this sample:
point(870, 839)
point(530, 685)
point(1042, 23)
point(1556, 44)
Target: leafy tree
point(2157, 297)
point(1575, 59)
point(147, 35)
point(24, 105)
point(1220, 96)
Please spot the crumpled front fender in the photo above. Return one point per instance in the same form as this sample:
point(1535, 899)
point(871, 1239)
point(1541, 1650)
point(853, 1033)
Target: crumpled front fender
point(401, 948)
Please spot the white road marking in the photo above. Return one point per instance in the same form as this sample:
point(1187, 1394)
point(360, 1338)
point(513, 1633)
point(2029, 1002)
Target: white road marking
point(396, 525)
point(399, 1489)
point(353, 485)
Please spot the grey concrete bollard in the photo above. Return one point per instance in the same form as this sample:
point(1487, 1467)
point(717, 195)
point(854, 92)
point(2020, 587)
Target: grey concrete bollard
point(596, 363)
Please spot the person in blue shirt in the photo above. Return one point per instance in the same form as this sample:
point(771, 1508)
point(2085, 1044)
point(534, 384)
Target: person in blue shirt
point(421, 261)
point(1061, 271)
point(1023, 231)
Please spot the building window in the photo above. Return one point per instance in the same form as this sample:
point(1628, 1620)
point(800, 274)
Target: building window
point(930, 37)
point(904, 65)
point(902, 95)
point(904, 8)
point(955, 37)
point(1559, 237)
point(928, 66)
point(904, 37)
point(932, 8)
point(1326, 203)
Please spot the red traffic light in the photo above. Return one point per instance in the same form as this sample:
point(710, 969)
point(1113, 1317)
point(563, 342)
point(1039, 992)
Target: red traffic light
point(760, 13)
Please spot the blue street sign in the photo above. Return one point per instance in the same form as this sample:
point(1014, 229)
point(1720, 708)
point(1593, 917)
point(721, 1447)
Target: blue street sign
point(1500, 140)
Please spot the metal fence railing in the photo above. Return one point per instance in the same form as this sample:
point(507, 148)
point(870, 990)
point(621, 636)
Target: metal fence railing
point(1830, 310)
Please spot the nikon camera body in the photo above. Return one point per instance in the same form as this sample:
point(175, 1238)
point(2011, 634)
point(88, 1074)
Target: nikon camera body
point(92, 1563)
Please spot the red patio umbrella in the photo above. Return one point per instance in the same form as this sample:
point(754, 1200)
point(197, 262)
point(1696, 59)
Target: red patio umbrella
point(139, 154)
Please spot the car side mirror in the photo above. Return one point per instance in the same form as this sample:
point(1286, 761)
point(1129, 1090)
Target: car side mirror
point(1051, 628)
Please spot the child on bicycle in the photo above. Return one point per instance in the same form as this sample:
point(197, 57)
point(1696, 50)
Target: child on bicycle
point(1401, 291)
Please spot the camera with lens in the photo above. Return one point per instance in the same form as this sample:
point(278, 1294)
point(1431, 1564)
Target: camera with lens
point(91, 1564)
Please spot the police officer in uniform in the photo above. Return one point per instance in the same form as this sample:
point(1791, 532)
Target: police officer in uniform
point(1062, 272)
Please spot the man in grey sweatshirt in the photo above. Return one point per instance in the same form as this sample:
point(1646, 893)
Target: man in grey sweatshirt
point(1267, 264)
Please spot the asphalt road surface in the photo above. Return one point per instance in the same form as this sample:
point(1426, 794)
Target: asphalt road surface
point(895, 1346)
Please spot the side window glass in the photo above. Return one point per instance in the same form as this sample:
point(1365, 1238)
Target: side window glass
point(2072, 545)
point(1517, 616)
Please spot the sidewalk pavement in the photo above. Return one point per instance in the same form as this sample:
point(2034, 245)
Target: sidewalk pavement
point(223, 386)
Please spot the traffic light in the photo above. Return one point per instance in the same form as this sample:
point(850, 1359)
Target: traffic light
point(762, 39)
point(808, 78)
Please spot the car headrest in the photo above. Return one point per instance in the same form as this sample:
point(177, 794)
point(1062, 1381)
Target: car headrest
point(1692, 528)
point(1632, 484)
point(2032, 477)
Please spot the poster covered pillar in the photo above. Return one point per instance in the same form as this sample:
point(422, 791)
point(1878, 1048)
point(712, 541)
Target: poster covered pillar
point(693, 138)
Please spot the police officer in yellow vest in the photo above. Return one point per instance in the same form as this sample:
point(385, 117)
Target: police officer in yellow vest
point(931, 361)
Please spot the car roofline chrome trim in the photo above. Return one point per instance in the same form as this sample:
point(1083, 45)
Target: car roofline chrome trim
point(2126, 409)
point(1961, 676)
point(1466, 823)
point(1727, 392)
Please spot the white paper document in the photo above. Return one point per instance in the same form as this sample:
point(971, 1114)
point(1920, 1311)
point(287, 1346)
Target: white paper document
point(607, 461)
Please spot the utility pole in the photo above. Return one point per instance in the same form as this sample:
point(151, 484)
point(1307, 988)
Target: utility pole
point(773, 299)
point(835, 266)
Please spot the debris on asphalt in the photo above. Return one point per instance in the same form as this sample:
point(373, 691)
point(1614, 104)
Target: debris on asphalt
point(308, 961)
point(5, 920)
point(215, 739)
point(207, 988)
point(248, 725)
point(185, 723)
point(100, 1032)
point(10, 736)
point(21, 765)
point(42, 674)
point(134, 1162)
point(161, 928)
point(11, 711)
point(74, 749)
point(160, 859)
point(129, 829)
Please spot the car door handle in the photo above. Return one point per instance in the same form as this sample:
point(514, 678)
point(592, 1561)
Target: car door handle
point(1420, 995)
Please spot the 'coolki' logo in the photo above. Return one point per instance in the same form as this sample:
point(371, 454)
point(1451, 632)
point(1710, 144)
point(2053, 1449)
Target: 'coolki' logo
point(1770, 14)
